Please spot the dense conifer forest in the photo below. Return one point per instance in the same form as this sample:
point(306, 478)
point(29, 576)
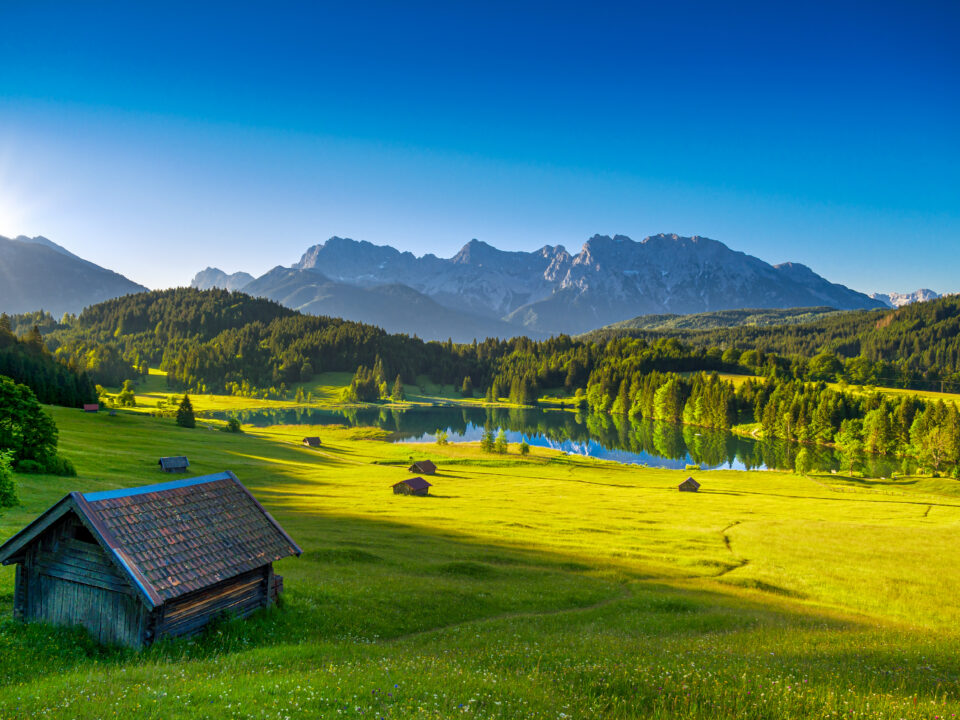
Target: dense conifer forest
point(916, 346)
point(27, 361)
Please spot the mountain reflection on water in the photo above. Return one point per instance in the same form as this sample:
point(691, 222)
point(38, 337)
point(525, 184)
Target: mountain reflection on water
point(603, 436)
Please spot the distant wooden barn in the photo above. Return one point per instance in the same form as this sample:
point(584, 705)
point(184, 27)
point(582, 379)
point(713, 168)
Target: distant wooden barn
point(136, 565)
point(689, 485)
point(176, 463)
point(412, 486)
point(91, 407)
point(312, 441)
point(423, 466)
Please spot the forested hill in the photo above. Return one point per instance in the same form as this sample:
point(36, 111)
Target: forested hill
point(916, 345)
point(179, 313)
point(720, 319)
point(221, 340)
point(231, 342)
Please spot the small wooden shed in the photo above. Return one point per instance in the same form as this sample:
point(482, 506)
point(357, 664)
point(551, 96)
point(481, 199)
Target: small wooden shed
point(689, 485)
point(423, 466)
point(136, 565)
point(174, 463)
point(91, 407)
point(312, 441)
point(412, 486)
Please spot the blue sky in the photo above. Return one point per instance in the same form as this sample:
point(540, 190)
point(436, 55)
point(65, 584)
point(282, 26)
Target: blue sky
point(157, 139)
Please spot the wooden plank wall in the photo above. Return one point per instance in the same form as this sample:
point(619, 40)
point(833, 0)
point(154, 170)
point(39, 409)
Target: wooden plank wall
point(19, 594)
point(68, 581)
point(241, 596)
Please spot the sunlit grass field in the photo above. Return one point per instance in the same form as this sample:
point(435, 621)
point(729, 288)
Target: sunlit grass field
point(547, 586)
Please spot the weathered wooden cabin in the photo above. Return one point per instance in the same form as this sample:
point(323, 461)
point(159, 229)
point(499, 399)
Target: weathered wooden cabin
point(176, 463)
point(423, 466)
point(689, 485)
point(412, 486)
point(312, 441)
point(91, 407)
point(136, 565)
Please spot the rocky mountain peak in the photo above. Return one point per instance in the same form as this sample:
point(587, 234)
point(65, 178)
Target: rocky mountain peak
point(549, 290)
point(896, 300)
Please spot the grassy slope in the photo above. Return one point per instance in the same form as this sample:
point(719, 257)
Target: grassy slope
point(546, 587)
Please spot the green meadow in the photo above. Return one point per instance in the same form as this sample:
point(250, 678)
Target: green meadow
point(546, 586)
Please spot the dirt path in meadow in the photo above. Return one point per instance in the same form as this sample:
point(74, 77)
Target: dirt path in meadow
point(741, 562)
point(626, 594)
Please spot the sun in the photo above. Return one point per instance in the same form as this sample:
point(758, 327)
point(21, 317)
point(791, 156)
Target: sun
point(13, 209)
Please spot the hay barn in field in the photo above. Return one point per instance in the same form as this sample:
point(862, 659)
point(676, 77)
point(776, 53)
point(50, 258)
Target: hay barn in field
point(423, 466)
point(91, 407)
point(311, 441)
point(177, 463)
point(412, 486)
point(136, 565)
point(689, 485)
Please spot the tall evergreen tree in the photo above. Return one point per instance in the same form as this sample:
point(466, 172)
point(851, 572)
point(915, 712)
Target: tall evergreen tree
point(185, 416)
point(398, 394)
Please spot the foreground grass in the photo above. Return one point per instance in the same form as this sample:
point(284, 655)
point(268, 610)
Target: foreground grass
point(541, 587)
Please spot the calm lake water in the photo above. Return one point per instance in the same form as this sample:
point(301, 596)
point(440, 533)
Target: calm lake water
point(608, 437)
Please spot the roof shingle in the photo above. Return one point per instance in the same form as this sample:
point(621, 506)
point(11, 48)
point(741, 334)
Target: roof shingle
point(185, 535)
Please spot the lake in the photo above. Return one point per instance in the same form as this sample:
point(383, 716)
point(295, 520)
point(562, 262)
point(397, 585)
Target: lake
point(603, 436)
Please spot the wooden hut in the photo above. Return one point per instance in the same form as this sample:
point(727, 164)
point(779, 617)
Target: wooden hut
point(91, 407)
point(412, 486)
point(136, 565)
point(425, 467)
point(689, 485)
point(175, 463)
point(312, 441)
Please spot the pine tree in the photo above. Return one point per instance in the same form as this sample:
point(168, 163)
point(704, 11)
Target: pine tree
point(466, 390)
point(185, 413)
point(398, 393)
point(802, 463)
point(500, 445)
point(486, 440)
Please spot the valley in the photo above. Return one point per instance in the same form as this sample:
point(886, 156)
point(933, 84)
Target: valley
point(539, 586)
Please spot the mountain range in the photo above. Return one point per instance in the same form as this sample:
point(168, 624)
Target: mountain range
point(36, 273)
point(484, 291)
point(896, 299)
point(479, 292)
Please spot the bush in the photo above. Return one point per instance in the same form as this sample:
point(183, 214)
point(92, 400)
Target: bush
point(233, 425)
point(59, 465)
point(30, 467)
point(442, 438)
point(8, 484)
point(53, 465)
point(524, 448)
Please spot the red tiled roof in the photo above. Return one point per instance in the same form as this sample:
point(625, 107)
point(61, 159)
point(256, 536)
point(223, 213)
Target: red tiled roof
point(186, 535)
